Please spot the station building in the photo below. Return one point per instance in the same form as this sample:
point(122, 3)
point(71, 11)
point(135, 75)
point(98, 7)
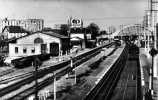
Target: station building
point(13, 32)
point(31, 25)
point(39, 43)
point(79, 36)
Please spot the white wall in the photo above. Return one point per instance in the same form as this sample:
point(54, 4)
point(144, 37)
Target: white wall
point(30, 39)
point(46, 39)
point(20, 53)
point(28, 42)
point(80, 35)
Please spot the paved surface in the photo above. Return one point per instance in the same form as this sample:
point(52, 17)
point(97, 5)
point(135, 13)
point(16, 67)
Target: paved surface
point(78, 91)
point(65, 82)
point(81, 88)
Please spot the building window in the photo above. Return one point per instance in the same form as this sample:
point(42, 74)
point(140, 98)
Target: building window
point(38, 40)
point(16, 49)
point(24, 50)
point(33, 50)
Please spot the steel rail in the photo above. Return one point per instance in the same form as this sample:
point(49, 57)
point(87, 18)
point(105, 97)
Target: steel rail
point(31, 90)
point(107, 82)
point(48, 70)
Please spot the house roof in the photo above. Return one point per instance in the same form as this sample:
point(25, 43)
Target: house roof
point(12, 40)
point(54, 34)
point(76, 39)
point(47, 33)
point(14, 29)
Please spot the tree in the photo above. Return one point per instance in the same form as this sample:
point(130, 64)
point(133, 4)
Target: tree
point(64, 29)
point(93, 29)
point(103, 32)
point(47, 29)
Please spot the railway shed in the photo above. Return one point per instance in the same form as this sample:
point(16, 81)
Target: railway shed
point(39, 43)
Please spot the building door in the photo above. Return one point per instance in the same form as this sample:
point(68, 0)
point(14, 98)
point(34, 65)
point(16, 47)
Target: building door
point(43, 48)
point(54, 49)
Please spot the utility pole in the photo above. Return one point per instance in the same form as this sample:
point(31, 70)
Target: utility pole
point(36, 63)
point(54, 86)
point(153, 20)
point(71, 65)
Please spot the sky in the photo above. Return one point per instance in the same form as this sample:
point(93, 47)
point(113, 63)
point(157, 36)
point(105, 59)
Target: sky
point(102, 12)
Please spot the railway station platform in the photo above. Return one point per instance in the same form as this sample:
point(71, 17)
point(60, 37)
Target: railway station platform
point(103, 53)
point(85, 83)
point(145, 63)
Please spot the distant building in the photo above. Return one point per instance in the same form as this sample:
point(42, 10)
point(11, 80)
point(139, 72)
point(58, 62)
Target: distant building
point(13, 32)
point(31, 25)
point(57, 26)
point(76, 32)
point(39, 43)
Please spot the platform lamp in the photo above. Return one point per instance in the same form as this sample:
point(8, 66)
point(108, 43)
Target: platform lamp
point(54, 86)
point(71, 65)
point(36, 64)
point(152, 52)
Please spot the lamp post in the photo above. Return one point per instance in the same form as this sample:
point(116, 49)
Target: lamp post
point(36, 64)
point(54, 86)
point(71, 65)
point(152, 52)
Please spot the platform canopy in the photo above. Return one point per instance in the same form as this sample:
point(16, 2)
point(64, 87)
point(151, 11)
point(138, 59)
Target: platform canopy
point(134, 29)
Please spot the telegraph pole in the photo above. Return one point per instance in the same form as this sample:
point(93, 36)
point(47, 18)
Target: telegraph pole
point(54, 86)
point(71, 65)
point(153, 19)
point(36, 63)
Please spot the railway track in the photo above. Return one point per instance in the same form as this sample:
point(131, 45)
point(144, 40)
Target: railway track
point(17, 77)
point(24, 94)
point(122, 82)
point(6, 72)
point(103, 90)
point(128, 86)
point(77, 60)
point(127, 83)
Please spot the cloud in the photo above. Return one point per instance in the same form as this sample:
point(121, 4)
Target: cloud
point(74, 0)
point(102, 12)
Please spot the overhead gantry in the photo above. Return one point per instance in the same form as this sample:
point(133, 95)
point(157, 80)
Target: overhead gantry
point(136, 32)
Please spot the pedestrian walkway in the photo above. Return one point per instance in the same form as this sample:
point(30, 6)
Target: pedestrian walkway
point(58, 59)
point(64, 82)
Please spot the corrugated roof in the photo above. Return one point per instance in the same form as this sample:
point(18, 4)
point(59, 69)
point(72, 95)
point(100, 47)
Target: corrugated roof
point(55, 34)
point(47, 33)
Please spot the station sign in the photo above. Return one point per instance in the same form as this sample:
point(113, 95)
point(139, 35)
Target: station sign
point(76, 23)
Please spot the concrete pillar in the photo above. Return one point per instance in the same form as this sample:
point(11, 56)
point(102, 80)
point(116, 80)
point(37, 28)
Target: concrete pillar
point(83, 44)
point(148, 42)
point(155, 66)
